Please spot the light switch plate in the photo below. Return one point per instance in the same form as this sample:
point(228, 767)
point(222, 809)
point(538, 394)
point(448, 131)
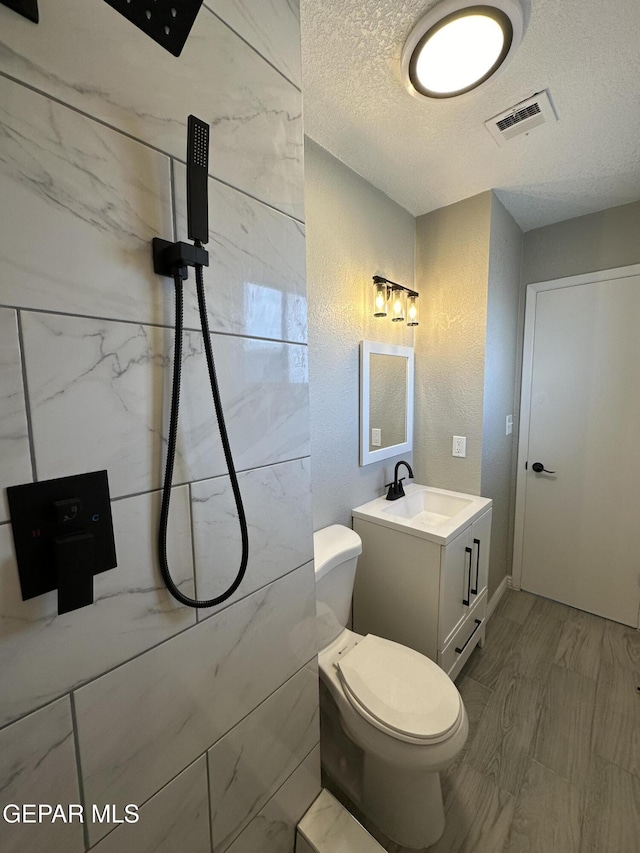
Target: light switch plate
point(376, 437)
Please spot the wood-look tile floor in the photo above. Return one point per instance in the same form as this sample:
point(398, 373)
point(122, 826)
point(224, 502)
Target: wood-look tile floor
point(552, 763)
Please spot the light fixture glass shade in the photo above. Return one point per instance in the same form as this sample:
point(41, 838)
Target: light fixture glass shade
point(380, 298)
point(459, 54)
point(412, 310)
point(460, 44)
point(398, 305)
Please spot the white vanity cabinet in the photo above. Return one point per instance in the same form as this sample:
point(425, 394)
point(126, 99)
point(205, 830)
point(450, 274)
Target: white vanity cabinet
point(464, 571)
point(424, 594)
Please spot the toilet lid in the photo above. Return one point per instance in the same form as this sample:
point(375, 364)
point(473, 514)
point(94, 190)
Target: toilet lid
point(399, 689)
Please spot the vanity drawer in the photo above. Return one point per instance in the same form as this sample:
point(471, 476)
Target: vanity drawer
point(455, 654)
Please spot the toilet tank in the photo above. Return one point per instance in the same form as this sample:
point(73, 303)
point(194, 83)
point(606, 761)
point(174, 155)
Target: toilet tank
point(335, 552)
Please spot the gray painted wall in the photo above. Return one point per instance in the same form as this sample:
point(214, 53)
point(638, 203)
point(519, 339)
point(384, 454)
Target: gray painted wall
point(452, 263)
point(598, 241)
point(498, 474)
point(468, 266)
point(354, 231)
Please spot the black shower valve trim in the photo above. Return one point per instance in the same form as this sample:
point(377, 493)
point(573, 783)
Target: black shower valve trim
point(168, 258)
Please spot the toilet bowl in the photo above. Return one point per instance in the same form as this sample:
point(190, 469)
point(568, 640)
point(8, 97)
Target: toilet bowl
point(397, 706)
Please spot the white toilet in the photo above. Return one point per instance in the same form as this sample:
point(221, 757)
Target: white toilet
point(403, 716)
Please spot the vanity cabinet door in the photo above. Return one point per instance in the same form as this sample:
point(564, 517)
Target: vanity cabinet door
point(421, 594)
point(396, 588)
point(455, 585)
point(480, 541)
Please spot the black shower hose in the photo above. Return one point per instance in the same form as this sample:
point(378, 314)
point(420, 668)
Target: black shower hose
point(171, 448)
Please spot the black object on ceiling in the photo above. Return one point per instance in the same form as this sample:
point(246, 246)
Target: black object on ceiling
point(28, 8)
point(168, 22)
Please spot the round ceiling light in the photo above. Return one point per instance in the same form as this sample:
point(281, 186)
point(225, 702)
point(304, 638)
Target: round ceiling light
point(459, 45)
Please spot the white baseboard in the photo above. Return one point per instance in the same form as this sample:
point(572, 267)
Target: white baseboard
point(505, 584)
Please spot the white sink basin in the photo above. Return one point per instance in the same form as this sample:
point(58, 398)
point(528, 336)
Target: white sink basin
point(427, 506)
point(435, 514)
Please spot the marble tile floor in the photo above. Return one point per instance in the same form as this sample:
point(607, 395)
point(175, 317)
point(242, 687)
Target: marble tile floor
point(552, 763)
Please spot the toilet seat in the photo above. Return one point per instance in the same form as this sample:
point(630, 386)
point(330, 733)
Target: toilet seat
point(399, 691)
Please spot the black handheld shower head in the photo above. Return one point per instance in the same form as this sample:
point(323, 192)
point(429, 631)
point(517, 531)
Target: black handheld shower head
point(174, 259)
point(197, 176)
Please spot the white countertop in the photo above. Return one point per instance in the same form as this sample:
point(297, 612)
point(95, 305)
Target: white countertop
point(435, 514)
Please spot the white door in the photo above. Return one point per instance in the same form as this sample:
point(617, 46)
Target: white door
point(578, 528)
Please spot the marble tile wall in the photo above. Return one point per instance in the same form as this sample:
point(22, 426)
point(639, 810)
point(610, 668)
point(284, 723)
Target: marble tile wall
point(98, 386)
point(182, 696)
point(80, 204)
point(258, 266)
point(38, 765)
point(207, 721)
point(274, 827)
point(329, 826)
point(15, 462)
point(270, 26)
point(250, 763)
point(277, 502)
point(254, 112)
point(177, 818)
point(43, 655)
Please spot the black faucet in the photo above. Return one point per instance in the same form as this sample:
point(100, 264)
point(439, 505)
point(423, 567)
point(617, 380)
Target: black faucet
point(395, 489)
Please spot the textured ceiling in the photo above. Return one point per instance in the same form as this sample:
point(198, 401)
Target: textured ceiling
point(426, 155)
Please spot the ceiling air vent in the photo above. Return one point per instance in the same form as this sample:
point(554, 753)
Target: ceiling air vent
point(522, 118)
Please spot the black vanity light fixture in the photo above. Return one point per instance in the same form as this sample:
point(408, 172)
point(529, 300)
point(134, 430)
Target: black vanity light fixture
point(460, 44)
point(392, 298)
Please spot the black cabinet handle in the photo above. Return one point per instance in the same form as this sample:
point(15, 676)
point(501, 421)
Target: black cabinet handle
point(478, 624)
point(465, 601)
point(477, 542)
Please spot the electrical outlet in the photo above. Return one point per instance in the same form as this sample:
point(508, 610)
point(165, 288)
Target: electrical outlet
point(459, 446)
point(509, 425)
point(376, 438)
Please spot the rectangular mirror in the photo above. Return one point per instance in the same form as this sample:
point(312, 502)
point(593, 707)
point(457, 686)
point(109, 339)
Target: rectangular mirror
point(386, 401)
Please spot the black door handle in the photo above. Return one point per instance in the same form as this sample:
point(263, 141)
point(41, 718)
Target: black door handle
point(538, 467)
